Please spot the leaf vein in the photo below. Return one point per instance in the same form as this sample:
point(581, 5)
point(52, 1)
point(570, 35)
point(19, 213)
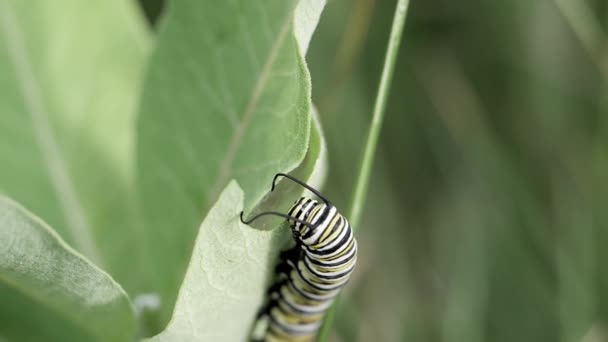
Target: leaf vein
point(256, 92)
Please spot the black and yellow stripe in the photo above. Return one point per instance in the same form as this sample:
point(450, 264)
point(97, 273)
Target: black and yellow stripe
point(312, 273)
point(325, 256)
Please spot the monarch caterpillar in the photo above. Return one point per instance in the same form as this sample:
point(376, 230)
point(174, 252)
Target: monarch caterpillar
point(312, 273)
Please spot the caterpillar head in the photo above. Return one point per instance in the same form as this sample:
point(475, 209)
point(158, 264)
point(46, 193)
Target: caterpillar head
point(309, 211)
point(302, 209)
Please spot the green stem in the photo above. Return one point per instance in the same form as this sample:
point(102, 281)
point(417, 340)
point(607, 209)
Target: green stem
point(365, 169)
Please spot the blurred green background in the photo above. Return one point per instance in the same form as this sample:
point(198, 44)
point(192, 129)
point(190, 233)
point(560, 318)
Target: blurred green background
point(485, 219)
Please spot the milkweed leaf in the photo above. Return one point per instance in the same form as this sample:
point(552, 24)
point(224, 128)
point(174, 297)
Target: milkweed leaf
point(49, 292)
point(69, 80)
point(225, 282)
point(227, 96)
point(232, 264)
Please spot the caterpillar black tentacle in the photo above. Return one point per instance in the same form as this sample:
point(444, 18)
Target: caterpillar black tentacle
point(314, 271)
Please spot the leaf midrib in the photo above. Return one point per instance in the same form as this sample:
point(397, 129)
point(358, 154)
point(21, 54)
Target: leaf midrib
point(239, 133)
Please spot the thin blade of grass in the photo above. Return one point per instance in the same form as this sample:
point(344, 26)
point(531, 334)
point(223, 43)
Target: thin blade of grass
point(362, 182)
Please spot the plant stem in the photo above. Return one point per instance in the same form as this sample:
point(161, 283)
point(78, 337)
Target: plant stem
point(365, 169)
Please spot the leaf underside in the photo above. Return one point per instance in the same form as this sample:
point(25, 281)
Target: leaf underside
point(223, 100)
point(49, 292)
point(67, 111)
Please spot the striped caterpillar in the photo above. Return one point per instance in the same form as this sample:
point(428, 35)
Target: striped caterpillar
point(312, 273)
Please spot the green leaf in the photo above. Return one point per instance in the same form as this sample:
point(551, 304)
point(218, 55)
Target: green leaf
point(313, 169)
point(225, 309)
point(307, 15)
point(49, 292)
point(70, 73)
point(232, 264)
point(227, 96)
point(226, 281)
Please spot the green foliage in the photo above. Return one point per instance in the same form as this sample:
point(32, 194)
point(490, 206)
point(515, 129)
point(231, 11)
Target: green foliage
point(363, 177)
point(486, 213)
point(49, 290)
point(67, 111)
point(222, 99)
point(226, 280)
point(485, 218)
point(227, 99)
point(232, 264)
